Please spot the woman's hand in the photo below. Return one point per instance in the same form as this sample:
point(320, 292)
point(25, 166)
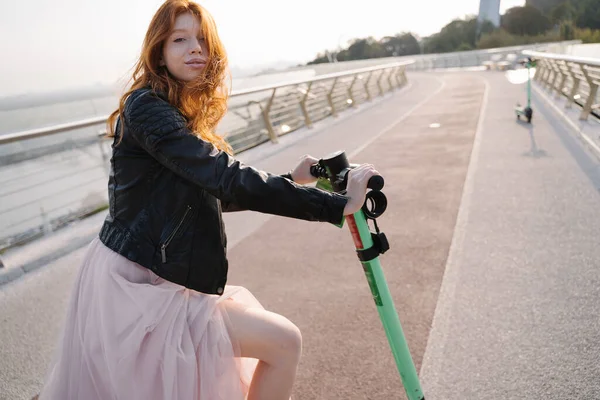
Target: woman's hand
point(356, 189)
point(301, 174)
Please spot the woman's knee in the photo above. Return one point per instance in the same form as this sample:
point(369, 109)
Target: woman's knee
point(283, 341)
point(265, 335)
point(290, 340)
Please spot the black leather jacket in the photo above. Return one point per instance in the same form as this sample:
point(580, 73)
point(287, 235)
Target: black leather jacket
point(167, 189)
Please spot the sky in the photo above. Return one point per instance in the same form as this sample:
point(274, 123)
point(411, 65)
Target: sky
point(58, 44)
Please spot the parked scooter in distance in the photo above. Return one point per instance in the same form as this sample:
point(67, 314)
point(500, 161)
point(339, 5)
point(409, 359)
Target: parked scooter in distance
point(526, 111)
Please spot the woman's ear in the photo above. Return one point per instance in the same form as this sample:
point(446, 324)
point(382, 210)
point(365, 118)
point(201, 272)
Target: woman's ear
point(161, 62)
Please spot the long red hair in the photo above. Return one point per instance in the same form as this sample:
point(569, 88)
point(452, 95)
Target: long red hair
point(203, 101)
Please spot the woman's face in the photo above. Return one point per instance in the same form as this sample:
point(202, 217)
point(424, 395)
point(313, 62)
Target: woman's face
point(185, 52)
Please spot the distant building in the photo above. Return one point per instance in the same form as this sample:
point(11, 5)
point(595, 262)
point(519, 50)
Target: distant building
point(489, 10)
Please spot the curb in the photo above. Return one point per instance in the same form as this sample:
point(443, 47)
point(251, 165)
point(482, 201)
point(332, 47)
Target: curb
point(9, 274)
point(28, 258)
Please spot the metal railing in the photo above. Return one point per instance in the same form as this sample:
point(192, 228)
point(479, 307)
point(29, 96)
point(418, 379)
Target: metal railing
point(502, 57)
point(576, 78)
point(52, 176)
point(458, 59)
point(258, 115)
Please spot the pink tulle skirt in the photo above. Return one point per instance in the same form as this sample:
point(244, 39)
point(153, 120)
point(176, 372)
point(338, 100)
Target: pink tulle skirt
point(132, 335)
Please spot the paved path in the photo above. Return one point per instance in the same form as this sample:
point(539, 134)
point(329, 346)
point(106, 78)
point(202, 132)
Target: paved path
point(516, 315)
point(309, 272)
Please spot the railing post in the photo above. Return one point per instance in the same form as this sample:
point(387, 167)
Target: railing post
point(575, 88)
point(539, 71)
point(548, 82)
point(350, 94)
point(397, 77)
point(402, 76)
point(307, 120)
point(539, 68)
point(389, 79)
point(367, 85)
point(561, 80)
point(103, 154)
point(379, 83)
point(330, 98)
point(587, 108)
point(557, 75)
point(548, 72)
point(265, 112)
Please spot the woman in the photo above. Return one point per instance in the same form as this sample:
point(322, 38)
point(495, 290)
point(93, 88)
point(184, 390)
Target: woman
point(151, 316)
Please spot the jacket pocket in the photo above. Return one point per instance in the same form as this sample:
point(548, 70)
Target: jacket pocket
point(165, 244)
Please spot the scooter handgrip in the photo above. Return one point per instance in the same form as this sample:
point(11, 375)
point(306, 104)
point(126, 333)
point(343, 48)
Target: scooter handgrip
point(375, 182)
point(314, 171)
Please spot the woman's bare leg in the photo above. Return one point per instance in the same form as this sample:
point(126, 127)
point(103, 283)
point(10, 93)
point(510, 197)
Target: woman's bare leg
point(272, 339)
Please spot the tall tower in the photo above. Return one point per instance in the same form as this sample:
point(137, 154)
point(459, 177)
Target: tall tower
point(489, 10)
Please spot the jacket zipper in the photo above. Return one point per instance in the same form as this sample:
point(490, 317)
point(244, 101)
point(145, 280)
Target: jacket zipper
point(163, 248)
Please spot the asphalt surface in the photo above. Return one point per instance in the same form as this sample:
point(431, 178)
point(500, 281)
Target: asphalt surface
point(495, 287)
point(310, 273)
point(518, 314)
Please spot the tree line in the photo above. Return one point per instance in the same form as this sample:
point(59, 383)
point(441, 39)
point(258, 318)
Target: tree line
point(537, 22)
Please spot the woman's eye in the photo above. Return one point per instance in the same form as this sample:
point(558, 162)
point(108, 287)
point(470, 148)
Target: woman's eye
point(179, 40)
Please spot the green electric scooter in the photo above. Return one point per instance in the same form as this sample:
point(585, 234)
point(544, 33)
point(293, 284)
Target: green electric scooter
point(332, 172)
point(527, 111)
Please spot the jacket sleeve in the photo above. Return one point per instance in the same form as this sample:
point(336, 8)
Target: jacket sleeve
point(231, 207)
point(162, 131)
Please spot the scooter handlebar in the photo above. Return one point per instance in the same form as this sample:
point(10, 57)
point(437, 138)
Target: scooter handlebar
point(375, 182)
point(315, 171)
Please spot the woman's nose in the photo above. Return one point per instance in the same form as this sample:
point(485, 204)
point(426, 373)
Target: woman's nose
point(197, 47)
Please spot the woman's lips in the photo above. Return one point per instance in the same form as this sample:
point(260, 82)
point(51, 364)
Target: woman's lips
point(196, 64)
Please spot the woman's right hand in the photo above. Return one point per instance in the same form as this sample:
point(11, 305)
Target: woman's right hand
point(356, 188)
